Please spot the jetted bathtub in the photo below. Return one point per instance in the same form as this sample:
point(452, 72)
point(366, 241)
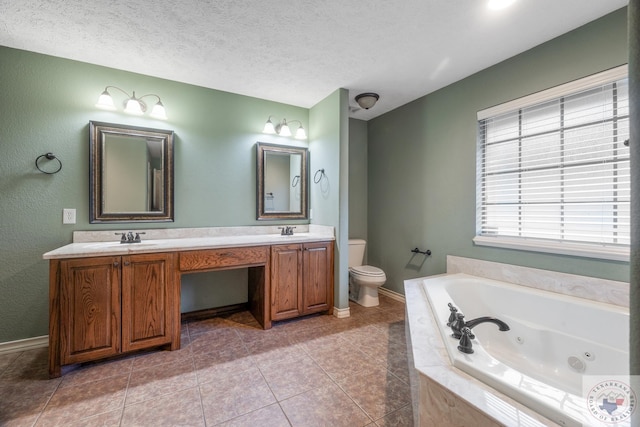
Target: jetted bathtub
point(553, 341)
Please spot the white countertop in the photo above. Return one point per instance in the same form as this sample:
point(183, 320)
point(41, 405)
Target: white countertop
point(106, 243)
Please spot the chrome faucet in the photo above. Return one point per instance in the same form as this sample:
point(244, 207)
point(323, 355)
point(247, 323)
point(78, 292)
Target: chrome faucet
point(129, 238)
point(286, 231)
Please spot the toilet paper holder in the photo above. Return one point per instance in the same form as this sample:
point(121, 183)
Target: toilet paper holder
point(418, 251)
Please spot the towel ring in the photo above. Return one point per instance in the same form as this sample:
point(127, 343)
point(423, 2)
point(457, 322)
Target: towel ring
point(315, 176)
point(49, 156)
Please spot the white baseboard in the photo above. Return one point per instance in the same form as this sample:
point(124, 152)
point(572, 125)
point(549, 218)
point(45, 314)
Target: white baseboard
point(391, 294)
point(25, 344)
point(341, 313)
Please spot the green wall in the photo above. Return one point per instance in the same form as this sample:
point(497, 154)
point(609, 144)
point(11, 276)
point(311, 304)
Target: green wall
point(422, 159)
point(46, 106)
point(358, 175)
point(329, 196)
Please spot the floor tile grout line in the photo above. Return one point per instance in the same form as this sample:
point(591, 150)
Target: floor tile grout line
point(333, 380)
point(204, 418)
point(388, 371)
point(195, 371)
point(253, 410)
point(345, 391)
point(47, 403)
point(285, 414)
point(301, 392)
point(124, 398)
point(356, 403)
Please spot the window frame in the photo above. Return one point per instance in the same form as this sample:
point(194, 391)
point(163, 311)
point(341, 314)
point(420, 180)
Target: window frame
point(616, 252)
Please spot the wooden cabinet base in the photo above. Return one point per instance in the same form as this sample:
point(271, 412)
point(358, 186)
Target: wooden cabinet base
point(301, 279)
point(104, 306)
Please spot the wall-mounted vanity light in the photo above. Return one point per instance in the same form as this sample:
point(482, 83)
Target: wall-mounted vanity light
point(283, 128)
point(133, 104)
point(367, 100)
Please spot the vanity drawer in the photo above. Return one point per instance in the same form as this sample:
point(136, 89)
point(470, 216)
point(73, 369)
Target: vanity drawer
point(223, 258)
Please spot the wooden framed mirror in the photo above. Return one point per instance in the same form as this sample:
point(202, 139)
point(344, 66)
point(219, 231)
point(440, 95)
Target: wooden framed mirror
point(130, 173)
point(282, 182)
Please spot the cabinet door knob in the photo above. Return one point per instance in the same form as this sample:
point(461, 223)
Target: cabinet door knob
point(126, 263)
point(116, 263)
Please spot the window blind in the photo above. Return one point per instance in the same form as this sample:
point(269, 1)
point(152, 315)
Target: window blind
point(556, 167)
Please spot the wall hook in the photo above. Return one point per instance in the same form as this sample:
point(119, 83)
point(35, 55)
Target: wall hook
point(317, 179)
point(49, 156)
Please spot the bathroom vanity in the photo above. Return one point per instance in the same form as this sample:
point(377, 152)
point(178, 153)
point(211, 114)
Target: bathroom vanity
point(107, 298)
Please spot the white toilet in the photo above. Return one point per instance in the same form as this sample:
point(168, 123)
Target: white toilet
point(364, 280)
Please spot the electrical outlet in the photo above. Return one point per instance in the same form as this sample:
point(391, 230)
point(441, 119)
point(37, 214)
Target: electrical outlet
point(68, 216)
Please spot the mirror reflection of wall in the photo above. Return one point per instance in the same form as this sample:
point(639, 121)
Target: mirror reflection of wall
point(295, 185)
point(276, 181)
point(132, 174)
point(282, 182)
point(124, 182)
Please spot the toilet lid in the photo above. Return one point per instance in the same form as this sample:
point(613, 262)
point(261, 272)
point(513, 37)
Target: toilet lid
point(367, 270)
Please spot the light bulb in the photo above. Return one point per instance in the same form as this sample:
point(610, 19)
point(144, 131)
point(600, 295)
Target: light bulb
point(133, 107)
point(300, 133)
point(158, 111)
point(268, 127)
point(105, 101)
point(284, 129)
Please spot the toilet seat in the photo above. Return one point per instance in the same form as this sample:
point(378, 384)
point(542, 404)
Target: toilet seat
point(367, 275)
point(367, 271)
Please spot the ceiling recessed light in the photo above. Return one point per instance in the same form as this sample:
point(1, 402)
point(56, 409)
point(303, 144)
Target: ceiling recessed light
point(499, 4)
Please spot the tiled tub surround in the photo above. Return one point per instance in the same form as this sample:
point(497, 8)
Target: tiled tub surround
point(443, 394)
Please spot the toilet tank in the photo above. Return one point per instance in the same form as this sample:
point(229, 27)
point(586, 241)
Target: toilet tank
point(356, 252)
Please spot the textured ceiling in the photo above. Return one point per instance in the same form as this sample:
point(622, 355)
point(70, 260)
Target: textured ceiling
point(295, 52)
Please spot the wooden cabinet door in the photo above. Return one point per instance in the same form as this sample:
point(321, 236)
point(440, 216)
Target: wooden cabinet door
point(89, 309)
point(147, 285)
point(317, 286)
point(286, 281)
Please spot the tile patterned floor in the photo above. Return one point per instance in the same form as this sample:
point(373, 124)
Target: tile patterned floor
point(314, 371)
